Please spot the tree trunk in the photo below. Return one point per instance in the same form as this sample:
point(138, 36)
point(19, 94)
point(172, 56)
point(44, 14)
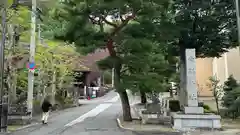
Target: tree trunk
point(44, 93)
point(123, 94)
point(216, 100)
point(53, 87)
point(143, 97)
point(125, 105)
point(54, 75)
point(171, 92)
point(14, 87)
point(75, 96)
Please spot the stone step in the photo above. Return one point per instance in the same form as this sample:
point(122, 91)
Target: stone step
point(158, 121)
point(162, 120)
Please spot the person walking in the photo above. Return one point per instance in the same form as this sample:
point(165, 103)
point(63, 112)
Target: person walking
point(46, 106)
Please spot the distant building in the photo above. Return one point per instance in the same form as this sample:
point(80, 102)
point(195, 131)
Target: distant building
point(92, 75)
point(222, 68)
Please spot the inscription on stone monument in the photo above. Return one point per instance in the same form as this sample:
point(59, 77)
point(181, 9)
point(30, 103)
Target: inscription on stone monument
point(191, 58)
point(191, 71)
point(191, 78)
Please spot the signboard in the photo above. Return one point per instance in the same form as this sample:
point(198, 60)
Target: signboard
point(31, 65)
point(94, 94)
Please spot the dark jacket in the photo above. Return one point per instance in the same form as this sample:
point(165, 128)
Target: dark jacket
point(46, 106)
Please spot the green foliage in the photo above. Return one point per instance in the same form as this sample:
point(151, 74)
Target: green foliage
point(80, 20)
point(141, 56)
point(56, 57)
point(231, 102)
point(51, 56)
point(206, 107)
point(106, 63)
point(230, 84)
point(230, 97)
point(205, 26)
point(234, 109)
point(68, 102)
point(22, 81)
point(107, 77)
point(60, 99)
point(231, 93)
point(146, 65)
point(216, 88)
point(217, 91)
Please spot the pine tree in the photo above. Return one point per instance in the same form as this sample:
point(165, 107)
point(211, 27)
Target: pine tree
point(231, 91)
point(230, 84)
point(87, 24)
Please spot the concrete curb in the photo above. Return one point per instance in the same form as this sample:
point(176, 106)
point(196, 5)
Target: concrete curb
point(21, 128)
point(119, 123)
point(27, 126)
point(135, 130)
point(230, 132)
point(121, 126)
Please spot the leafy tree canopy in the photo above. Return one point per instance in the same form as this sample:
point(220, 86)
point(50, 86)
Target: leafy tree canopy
point(208, 26)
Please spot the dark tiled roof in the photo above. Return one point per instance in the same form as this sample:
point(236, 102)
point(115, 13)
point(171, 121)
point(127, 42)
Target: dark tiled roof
point(91, 59)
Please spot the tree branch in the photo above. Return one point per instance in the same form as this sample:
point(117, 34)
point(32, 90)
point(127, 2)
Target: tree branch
point(124, 23)
point(124, 70)
point(92, 19)
point(108, 22)
point(110, 46)
point(122, 19)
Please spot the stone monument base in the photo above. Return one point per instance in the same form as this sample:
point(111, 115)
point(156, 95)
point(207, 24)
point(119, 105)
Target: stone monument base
point(204, 121)
point(193, 110)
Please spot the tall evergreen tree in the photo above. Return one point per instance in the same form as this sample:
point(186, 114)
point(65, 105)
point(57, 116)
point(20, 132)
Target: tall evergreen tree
point(231, 92)
point(99, 24)
point(230, 84)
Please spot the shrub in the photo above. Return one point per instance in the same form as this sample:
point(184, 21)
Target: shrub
point(174, 105)
point(206, 107)
point(59, 99)
point(68, 101)
point(207, 111)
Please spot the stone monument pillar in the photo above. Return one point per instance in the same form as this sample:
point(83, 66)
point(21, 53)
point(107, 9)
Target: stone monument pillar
point(193, 116)
point(191, 87)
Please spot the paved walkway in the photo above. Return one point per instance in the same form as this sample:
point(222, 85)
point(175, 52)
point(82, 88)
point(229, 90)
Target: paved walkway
point(96, 118)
